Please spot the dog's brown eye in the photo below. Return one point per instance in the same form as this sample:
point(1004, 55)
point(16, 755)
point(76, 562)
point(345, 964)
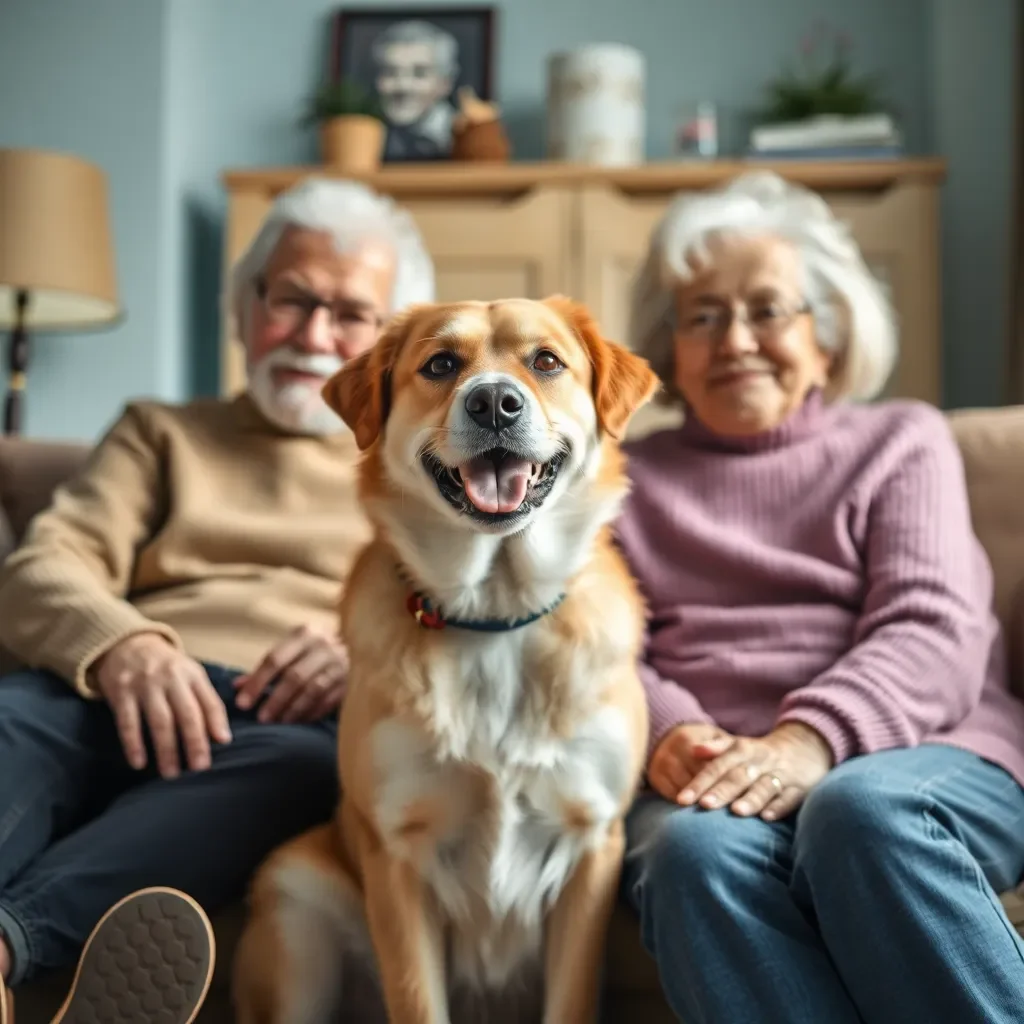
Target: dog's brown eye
point(546, 362)
point(439, 366)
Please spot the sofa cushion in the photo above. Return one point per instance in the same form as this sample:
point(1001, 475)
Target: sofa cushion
point(992, 444)
point(29, 473)
point(7, 538)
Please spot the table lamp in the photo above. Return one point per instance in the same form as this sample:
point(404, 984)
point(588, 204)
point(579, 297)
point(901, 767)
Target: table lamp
point(56, 256)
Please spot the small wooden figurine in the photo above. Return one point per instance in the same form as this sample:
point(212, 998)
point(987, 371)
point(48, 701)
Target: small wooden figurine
point(477, 131)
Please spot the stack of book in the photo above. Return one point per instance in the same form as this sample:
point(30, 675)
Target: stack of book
point(828, 137)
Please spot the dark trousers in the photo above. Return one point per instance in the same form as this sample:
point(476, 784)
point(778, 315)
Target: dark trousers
point(80, 829)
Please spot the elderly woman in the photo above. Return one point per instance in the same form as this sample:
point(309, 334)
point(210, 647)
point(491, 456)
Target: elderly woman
point(835, 760)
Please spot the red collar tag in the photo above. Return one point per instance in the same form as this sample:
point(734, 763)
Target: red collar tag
point(426, 616)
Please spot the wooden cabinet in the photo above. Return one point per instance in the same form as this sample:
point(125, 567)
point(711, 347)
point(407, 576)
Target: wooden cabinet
point(536, 229)
point(490, 249)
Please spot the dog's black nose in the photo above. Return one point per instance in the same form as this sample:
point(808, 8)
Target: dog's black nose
point(494, 406)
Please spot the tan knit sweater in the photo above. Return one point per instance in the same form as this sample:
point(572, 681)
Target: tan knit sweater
point(201, 522)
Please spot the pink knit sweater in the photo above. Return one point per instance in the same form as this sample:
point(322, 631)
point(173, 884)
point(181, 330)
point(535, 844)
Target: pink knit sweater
point(824, 572)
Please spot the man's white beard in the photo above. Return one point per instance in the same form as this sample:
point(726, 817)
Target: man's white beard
point(297, 407)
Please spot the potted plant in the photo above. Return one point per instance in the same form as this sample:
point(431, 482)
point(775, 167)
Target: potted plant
point(351, 124)
point(823, 109)
point(824, 85)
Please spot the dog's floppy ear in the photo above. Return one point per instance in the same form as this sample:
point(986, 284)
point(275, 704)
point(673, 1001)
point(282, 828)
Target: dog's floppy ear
point(360, 392)
point(622, 382)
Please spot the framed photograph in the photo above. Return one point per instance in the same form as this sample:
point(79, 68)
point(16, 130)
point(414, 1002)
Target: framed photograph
point(414, 61)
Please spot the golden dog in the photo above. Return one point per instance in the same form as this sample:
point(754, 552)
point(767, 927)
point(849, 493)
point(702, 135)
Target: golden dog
point(494, 730)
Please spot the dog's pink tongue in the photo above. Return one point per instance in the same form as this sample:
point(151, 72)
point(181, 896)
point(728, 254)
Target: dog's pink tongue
point(494, 488)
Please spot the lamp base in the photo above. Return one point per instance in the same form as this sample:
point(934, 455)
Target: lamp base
point(17, 367)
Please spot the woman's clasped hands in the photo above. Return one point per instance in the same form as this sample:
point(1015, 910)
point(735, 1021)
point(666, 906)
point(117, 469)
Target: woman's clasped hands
point(767, 775)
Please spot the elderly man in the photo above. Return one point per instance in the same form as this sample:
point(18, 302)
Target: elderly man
point(177, 604)
point(416, 66)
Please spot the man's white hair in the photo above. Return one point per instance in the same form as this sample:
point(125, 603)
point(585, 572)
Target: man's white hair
point(352, 215)
point(852, 313)
point(444, 44)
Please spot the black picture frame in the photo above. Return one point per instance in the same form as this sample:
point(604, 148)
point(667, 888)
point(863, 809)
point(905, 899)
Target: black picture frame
point(418, 117)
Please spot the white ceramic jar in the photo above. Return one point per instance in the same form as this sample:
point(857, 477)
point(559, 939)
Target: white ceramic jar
point(595, 105)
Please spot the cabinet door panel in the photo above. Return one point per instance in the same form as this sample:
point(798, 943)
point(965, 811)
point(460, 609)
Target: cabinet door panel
point(246, 211)
point(615, 228)
point(898, 233)
point(487, 248)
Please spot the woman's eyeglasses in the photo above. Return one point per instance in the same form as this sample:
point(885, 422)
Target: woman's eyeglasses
point(766, 320)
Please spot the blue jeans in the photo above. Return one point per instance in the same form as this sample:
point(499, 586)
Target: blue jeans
point(877, 903)
point(80, 829)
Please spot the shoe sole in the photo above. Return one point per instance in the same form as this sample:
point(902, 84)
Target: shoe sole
point(148, 961)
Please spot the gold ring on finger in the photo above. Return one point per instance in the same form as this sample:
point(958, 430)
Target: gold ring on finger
point(776, 782)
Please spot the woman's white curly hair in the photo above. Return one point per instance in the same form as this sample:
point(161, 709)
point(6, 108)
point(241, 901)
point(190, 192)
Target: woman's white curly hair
point(852, 313)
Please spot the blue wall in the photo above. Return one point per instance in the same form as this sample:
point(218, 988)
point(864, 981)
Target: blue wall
point(89, 78)
point(975, 130)
point(166, 94)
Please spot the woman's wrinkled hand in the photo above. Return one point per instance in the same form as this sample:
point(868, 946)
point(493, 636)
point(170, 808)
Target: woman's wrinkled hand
point(767, 775)
point(674, 762)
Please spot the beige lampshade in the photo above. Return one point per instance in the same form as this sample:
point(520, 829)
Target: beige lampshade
point(55, 241)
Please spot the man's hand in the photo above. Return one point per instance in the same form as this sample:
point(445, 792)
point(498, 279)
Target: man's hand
point(144, 676)
point(309, 669)
point(768, 775)
point(674, 763)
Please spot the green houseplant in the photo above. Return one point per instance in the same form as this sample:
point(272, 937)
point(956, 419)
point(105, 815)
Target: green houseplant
point(352, 127)
point(823, 83)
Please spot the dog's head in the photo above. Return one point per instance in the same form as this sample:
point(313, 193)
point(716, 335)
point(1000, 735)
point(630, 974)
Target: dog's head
point(489, 410)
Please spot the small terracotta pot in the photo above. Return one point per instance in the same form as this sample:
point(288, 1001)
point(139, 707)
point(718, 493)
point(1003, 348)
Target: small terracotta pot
point(352, 144)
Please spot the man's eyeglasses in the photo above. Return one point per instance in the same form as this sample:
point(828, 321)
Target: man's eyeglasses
point(290, 307)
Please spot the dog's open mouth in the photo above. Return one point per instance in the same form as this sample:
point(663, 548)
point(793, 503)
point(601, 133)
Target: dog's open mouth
point(497, 484)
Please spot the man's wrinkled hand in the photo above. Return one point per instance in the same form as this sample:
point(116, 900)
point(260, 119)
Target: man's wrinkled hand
point(305, 674)
point(145, 677)
point(674, 762)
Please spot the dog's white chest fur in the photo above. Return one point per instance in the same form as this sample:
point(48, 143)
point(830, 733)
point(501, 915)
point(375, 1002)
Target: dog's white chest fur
point(491, 805)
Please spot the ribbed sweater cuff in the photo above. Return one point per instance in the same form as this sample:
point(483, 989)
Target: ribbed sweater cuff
point(668, 705)
point(74, 658)
point(837, 734)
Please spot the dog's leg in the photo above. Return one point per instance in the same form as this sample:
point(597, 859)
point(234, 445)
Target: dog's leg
point(406, 935)
point(306, 923)
point(577, 928)
point(259, 983)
